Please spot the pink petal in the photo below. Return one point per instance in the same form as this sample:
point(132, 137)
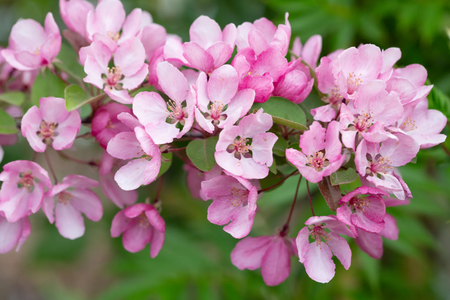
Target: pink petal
point(248, 253)
point(152, 37)
point(156, 220)
point(252, 169)
point(136, 237)
point(119, 224)
point(133, 81)
point(318, 263)
point(220, 52)
point(69, 221)
point(302, 243)
point(114, 193)
point(205, 32)
point(311, 50)
point(162, 132)
point(131, 176)
point(262, 145)
point(313, 139)
point(10, 233)
point(156, 243)
point(390, 230)
point(240, 226)
point(223, 84)
point(130, 56)
point(48, 206)
point(172, 81)
point(87, 202)
point(125, 146)
point(370, 243)
point(340, 248)
point(276, 263)
point(150, 107)
point(197, 57)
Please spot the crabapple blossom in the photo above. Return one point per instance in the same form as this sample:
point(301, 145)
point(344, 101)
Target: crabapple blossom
point(73, 197)
point(234, 202)
point(50, 124)
point(195, 177)
point(129, 69)
point(321, 152)
point(160, 118)
point(139, 224)
point(144, 154)
point(13, 234)
point(366, 213)
point(309, 52)
point(31, 46)
point(218, 102)
point(108, 167)
point(316, 256)
point(270, 253)
point(74, 14)
point(23, 188)
point(246, 149)
point(105, 124)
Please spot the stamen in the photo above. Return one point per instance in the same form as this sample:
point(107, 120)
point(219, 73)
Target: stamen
point(363, 121)
point(408, 125)
point(238, 197)
point(47, 131)
point(114, 36)
point(176, 112)
point(64, 197)
point(318, 233)
point(317, 161)
point(380, 165)
point(26, 181)
point(353, 82)
point(114, 76)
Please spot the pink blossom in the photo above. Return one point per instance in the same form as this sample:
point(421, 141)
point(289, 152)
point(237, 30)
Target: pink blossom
point(144, 154)
point(139, 224)
point(263, 34)
point(368, 116)
point(195, 177)
point(246, 149)
point(50, 124)
point(218, 101)
point(160, 118)
point(73, 197)
point(234, 202)
point(108, 167)
point(31, 46)
point(74, 14)
point(259, 72)
point(366, 213)
point(209, 47)
point(309, 52)
point(105, 124)
point(270, 253)
point(371, 243)
point(13, 234)
point(321, 152)
point(375, 162)
point(129, 69)
point(22, 189)
point(317, 256)
point(356, 66)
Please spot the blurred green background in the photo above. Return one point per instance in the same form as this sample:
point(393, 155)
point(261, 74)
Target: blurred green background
point(194, 262)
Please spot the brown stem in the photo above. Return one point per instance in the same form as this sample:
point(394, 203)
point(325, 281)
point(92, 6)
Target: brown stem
point(59, 76)
point(446, 150)
point(278, 183)
point(160, 184)
point(285, 229)
point(309, 197)
point(79, 161)
point(184, 159)
point(176, 149)
point(50, 167)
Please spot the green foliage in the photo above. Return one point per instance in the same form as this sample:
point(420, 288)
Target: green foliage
point(13, 98)
point(201, 153)
point(7, 123)
point(47, 84)
point(440, 101)
point(284, 112)
point(343, 176)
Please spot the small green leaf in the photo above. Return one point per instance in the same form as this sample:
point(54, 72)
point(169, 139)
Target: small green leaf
point(279, 148)
point(7, 123)
point(343, 176)
point(273, 168)
point(68, 62)
point(13, 98)
point(76, 97)
point(47, 84)
point(440, 101)
point(284, 112)
point(201, 153)
point(166, 162)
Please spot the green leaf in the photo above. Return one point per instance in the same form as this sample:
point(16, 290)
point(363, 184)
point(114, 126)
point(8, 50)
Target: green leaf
point(279, 148)
point(284, 112)
point(440, 101)
point(273, 168)
point(343, 176)
point(68, 62)
point(7, 123)
point(166, 162)
point(75, 97)
point(13, 98)
point(201, 153)
point(47, 84)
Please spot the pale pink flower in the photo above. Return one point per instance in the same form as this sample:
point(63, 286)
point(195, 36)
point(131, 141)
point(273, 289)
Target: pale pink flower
point(13, 234)
point(375, 162)
point(31, 46)
point(270, 253)
point(263, 34)
point(105, 124)
point(73, 197)
point(246, 149)
point(140, 224)
point(22, 189)
point(366, 213)
point(209, 46)
point(234, 202)
point(161, 118)
point(50, 124)
point(309, 52)
point(195, 177)
point(218, 101)
point(74, 14)
point(317, 256)
point(129, 69)
point(144, 154)
point(320, 152)
point(108, 167)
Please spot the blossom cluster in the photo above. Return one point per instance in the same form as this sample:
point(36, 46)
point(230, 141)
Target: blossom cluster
point(152, 95)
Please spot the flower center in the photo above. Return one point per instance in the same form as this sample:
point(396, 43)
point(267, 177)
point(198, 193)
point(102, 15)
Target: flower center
point(379, 165)
point(240, 147)
point(64, 197)
point(114, 76)
point(26, 181)
point(114, 36)
point(318, 233)
point(143, 220)
point(215, 112)
point(353, 82)
point(408, 125)
point(37, 51)
point(335, 97)
point(363, 122)
point(47, 131)
point(359, 204)
point(238, 197)
point(176, 112)
point(317, 161)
